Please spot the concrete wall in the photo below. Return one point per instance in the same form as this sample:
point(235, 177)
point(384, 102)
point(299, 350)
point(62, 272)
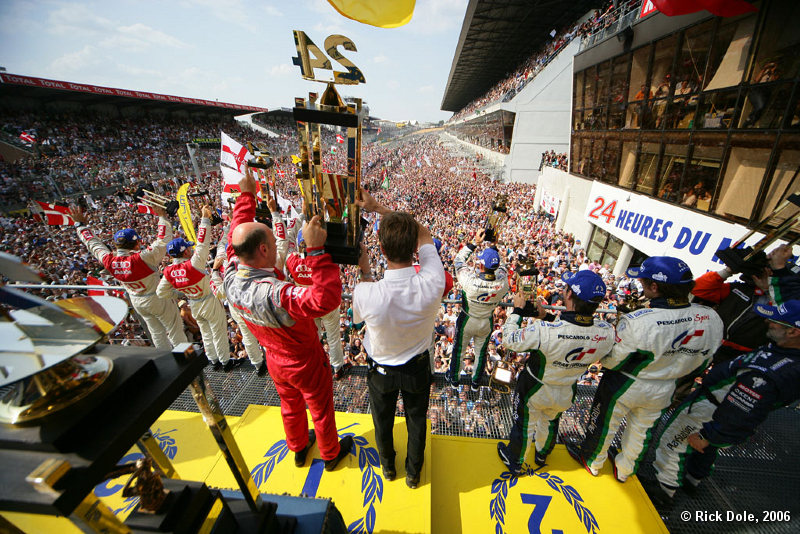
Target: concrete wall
point(542, 119)
point(573, 194)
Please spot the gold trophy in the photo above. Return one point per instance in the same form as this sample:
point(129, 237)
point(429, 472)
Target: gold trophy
point(526, 276)
point(331, 196)
point(497, 218)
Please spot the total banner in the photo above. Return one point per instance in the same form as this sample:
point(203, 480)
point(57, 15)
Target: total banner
point(661, 229)
point(185, 213)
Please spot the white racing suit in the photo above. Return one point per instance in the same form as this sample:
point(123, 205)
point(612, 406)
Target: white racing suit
point(189, 277)
point(735, 397)
point(560, 352)
point(137, 271)
point(251, 345)
point(480, 294)
point(299, 272)
point(657, 349)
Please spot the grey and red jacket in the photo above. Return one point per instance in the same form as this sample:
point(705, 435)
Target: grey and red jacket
point(278, 313)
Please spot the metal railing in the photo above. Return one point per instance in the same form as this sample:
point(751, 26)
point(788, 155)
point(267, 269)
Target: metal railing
point(623, 17)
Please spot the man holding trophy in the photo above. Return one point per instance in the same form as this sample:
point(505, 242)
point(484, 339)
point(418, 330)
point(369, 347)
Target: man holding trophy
point(281, 316)
point(481, 291)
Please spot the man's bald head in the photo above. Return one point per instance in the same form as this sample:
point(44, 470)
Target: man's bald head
point(247, 238)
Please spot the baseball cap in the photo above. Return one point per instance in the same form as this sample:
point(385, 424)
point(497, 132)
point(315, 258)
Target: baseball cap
point(787, 313)
point(126, 234)
point(489, 258)
point(588, 285)
point(665, 269)
point(177, 246)
point(437, 243)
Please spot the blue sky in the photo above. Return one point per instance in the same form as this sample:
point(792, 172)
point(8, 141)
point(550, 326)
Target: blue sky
point(231, 50)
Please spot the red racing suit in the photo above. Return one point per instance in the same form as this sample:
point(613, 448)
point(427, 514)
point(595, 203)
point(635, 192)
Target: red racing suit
point(281, 316)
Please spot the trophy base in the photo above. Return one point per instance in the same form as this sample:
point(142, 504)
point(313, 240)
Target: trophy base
point(336, 243)
point(54, 389)
point(490, 235)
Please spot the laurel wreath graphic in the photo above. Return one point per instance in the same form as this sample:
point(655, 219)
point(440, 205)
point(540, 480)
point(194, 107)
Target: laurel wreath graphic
point(500, 486)
point(368, 463)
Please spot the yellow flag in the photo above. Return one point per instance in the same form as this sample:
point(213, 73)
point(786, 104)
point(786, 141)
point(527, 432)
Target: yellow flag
point(296, 159)
point(380, 13)
point(185, 213)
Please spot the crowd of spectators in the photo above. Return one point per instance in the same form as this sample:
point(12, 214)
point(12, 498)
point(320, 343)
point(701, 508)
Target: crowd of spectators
point(551, 159)
point(448, 191)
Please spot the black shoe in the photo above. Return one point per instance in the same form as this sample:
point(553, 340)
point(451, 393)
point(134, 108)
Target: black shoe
point(341, 371)
point(389, 472)
point(262, 369)
point(474, 386)
point(539, 459)
point(691, 485)
point(505, 457)
point(577, 455)
point(233, 362)
point(217, 365)
point(452, 383)
point(300, 456)
point(612, 457)
point(657, 493)
point(412, 482)
point(345, 444)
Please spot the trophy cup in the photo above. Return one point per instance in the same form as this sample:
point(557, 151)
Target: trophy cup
point(154, 200)
point(526, 276)
point(497, 218)
point(329, 195)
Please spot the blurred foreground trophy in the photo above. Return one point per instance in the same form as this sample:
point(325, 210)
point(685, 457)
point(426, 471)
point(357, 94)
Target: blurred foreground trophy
point(331, 196)
point(43, 360)
point(497, 218)
point(753, 260)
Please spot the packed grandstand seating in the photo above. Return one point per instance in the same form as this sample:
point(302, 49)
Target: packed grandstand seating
point(507, 88)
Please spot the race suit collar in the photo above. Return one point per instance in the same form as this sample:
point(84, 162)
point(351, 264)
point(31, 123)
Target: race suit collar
point(663, 302)
point(574, 318)
point(245, 271)
point(487, 276)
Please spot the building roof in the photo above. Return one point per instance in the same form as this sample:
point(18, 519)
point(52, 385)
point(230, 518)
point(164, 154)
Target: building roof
point(44, 89)
point(498, 35)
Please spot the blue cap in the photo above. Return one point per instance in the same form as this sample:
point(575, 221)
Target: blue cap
point(588, 285)
point(664, 269)
point(177, 246)
point(787, 313)
point(128, 234)
point(489, 258)
point(437, 243)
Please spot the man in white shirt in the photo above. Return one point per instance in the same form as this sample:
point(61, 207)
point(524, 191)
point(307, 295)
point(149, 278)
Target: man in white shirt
point(399, 312)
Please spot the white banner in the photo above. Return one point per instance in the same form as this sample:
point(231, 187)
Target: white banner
point(550, 203)
point(661, 229)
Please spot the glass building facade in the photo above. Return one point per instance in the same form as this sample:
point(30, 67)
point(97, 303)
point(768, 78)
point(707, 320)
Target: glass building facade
point(707, 117)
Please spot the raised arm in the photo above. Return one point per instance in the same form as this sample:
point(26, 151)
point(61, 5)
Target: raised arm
point(203, 245)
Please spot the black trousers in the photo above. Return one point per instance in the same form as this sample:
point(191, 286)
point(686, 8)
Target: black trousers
point(413, 379)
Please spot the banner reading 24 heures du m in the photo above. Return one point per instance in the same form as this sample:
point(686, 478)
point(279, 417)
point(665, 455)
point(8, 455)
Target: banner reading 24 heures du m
point(661, 229)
